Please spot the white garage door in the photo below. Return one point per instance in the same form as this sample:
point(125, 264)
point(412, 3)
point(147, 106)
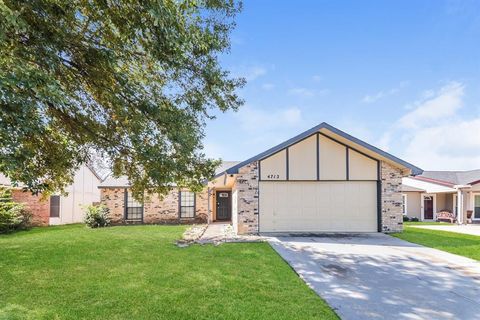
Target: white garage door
point(341, 206)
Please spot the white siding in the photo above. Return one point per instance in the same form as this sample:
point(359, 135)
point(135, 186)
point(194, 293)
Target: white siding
point(302, 160)
point(83, 192)
point(333, 160)
point(274, 167)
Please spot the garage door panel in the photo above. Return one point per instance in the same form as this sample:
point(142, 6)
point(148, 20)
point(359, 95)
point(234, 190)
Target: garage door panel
point(319, 206)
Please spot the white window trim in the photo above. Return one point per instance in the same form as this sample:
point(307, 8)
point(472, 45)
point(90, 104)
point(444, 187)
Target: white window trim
point(422, 208)
point(405, 204)
point(473, 205)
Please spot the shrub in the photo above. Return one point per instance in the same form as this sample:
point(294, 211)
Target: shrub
point(414, 219)
point(96, 216)
point(406, 219)
point(13, 216)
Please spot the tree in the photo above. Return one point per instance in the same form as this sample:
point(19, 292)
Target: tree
point(135, 81)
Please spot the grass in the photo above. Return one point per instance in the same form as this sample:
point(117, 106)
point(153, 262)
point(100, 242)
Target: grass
point(136, 272)
point(457, 243)
point(427, 223)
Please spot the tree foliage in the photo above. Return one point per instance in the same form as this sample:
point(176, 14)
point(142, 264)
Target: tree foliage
point(135, 81)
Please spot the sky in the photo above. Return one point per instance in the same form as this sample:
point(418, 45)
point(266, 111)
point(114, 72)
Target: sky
point(401, 75)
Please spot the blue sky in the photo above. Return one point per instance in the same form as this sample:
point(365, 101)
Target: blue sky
point(401, 75)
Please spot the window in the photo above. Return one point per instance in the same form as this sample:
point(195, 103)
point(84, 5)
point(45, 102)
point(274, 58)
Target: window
point(476, 207)
point(54, 206)
point(404, 204)
point(187, 204)
point(133, 208)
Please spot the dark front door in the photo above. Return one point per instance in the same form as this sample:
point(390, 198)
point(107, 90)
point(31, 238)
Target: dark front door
point(224, 205)
point(428, 208)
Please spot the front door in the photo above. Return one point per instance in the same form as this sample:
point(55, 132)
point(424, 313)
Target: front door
point(428, 208)
point(224, 205)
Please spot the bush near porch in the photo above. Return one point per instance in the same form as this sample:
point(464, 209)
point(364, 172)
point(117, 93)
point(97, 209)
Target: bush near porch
point(136, 272)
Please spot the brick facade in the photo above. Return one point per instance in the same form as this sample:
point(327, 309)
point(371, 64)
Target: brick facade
point(156, 210)
point(38, 207)
point(391, 198)
point(113, 199)
point(246, 185)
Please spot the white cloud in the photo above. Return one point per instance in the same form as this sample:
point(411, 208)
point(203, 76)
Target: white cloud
point(440, 105)
point(307, 93)
point(317, 78)
point(371, 98)
point(451, 146)
point(434, 135)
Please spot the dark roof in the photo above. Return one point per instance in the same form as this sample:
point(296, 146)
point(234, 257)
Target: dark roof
point(112, 182)
point(453, 177)
point(323, 125)
point(122, 181)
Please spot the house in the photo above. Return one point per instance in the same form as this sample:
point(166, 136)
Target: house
point(59, 209)
point(322, 180)
point(433, 191)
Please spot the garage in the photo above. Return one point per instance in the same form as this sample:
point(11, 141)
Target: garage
point(322, 180)
point(318, 185)
point(339, 206)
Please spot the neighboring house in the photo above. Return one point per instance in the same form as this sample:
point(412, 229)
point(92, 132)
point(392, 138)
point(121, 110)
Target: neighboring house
point(322, 180)
point(58, 209)
point(434, 191)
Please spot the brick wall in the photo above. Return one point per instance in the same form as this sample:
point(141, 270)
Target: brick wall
point(391, 198)
point(246, 185)
point(155, 209)
point(114, 199)
point(38, 207)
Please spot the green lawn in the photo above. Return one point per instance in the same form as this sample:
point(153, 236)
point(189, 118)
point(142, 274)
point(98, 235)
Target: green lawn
point(137, 272)
point(457, 243)
point(412, 223)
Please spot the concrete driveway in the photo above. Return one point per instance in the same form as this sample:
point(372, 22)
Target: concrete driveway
point(375, 276)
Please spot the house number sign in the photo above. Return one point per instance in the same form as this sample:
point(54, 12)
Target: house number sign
point(223, 195)
point(273, 176)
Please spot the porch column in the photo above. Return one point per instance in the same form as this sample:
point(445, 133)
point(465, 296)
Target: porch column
point(209, 209)
point(459, 206)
